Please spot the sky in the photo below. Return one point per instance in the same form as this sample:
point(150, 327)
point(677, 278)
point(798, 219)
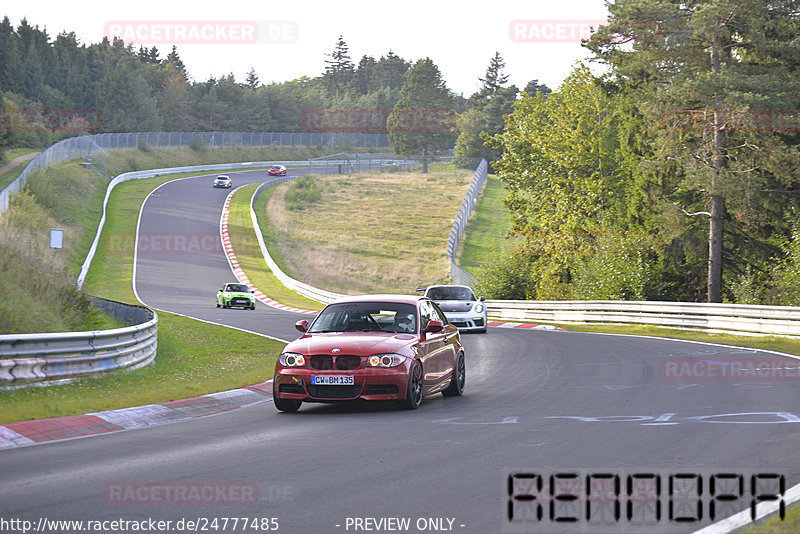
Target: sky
point(285, 40)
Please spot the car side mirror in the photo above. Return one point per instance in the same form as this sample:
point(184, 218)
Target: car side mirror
point(252, 291)
point(302, 326)
point(481, 299)
point(434, 326)
point(222, 289)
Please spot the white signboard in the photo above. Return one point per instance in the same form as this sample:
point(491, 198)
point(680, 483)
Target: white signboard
point(56, 238)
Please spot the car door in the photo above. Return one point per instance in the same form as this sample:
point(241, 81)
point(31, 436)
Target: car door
point(437, 362)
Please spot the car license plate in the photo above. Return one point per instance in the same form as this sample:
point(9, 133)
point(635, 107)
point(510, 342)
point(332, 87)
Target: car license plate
point(333, 380)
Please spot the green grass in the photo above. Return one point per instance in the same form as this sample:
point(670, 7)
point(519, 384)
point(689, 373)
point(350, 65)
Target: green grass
point(485, 233)
point(773, 524)
point(8, 177)
point(12, 153)
point(248, 253)
point(194, 358)
point(367, 233)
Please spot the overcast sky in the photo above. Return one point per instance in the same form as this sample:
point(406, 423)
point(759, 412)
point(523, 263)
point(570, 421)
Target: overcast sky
point(288, 39)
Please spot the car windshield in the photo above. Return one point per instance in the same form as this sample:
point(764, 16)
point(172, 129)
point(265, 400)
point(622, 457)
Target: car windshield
point(276, 167)
point(238, 288)
point(450, 293)
point(391, 317)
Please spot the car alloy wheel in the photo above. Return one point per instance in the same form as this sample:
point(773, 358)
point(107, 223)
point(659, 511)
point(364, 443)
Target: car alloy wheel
point(414, 389)
point(456, 387)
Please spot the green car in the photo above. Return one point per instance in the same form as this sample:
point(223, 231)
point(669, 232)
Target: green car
point(236, 295)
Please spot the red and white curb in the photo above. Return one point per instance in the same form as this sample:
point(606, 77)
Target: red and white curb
point(236, 268)
point(529, 326)
point(24, 433)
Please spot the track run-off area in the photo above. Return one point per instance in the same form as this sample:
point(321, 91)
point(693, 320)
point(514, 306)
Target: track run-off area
point(539, 406)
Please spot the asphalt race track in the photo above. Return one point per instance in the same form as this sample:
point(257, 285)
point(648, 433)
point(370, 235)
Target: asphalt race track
point(537, 403)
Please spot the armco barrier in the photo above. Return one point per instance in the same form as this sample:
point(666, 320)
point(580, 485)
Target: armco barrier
point(777, 320)
point(320, 295)
point(31, 358)
point(457, 273)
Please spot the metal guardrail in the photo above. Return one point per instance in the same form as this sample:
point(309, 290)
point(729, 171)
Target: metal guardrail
point(26, 359)
point(320, 295)
point(93, 149)
point(457, 273)
point(743, 318)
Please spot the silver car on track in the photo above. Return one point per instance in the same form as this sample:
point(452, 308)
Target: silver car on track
point(460, 306)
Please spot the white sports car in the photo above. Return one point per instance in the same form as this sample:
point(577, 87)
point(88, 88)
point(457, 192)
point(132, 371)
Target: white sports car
point(460, 306)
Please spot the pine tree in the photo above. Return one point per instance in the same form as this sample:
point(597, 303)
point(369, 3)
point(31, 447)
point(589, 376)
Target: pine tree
point(422, 120)
point(339, 69)
point(705, 71)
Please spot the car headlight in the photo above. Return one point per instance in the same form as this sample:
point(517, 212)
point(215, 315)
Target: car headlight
point(385, 360)
point(226, 295)
point(478, 308)
point(292, 359)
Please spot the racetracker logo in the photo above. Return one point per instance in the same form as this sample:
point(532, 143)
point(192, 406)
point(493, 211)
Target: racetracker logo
point(172, 243)
point(67, 120)
point(737, 369)
point(374, 120)
point(175, 32)
point(181, 493)
point(552, 31)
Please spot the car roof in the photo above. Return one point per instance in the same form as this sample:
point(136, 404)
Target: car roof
point(448, 285)
point(404, 299)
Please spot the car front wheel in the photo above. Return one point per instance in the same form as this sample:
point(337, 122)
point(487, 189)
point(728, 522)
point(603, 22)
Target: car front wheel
point(285, 405)
point(413, 389)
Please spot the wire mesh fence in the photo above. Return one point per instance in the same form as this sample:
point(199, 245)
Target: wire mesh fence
point(93, 149)
point(457, 273)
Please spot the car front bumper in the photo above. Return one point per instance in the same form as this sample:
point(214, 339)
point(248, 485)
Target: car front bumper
point(370, 383)
point(467, 321)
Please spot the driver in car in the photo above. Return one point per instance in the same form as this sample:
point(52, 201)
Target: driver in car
point(404, 322)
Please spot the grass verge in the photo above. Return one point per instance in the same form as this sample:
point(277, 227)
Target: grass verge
point(367, 233)
point(248, 253)
point(485, 233)
point(194, 358)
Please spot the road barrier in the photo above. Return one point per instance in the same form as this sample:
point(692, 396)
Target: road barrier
point(457, 273)
point(734, 318)
point(49, 358)
point(93, 149)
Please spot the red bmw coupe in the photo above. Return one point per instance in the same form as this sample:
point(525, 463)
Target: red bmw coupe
point(372, 347)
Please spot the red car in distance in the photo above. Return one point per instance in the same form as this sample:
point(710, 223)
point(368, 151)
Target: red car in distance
point(277, 170)
point(371, 347)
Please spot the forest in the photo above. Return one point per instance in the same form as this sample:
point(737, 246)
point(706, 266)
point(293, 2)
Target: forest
point(672, 172)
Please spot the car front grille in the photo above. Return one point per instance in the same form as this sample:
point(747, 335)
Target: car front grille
point(459, 324)
point(478, 322)
point(334, 392)
point(324, 362)
point(240, 301)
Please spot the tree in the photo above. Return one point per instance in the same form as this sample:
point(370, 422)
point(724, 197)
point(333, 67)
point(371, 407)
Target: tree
point(339, 69)
point(389, 71)
point(709, 69)
point(252, 79)
point(533, 87)
point(422, 120)
point(489, 105)
point(175, 60)
point(567, 185)
point(125, 100)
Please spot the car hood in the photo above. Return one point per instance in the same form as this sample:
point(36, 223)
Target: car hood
point(237, 293)
point(357, 343)
point(456, 305)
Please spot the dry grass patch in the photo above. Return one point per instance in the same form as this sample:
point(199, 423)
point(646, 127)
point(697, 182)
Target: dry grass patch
point(370, 232)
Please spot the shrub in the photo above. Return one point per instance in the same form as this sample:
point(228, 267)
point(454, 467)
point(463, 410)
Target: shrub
point(302, 191)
